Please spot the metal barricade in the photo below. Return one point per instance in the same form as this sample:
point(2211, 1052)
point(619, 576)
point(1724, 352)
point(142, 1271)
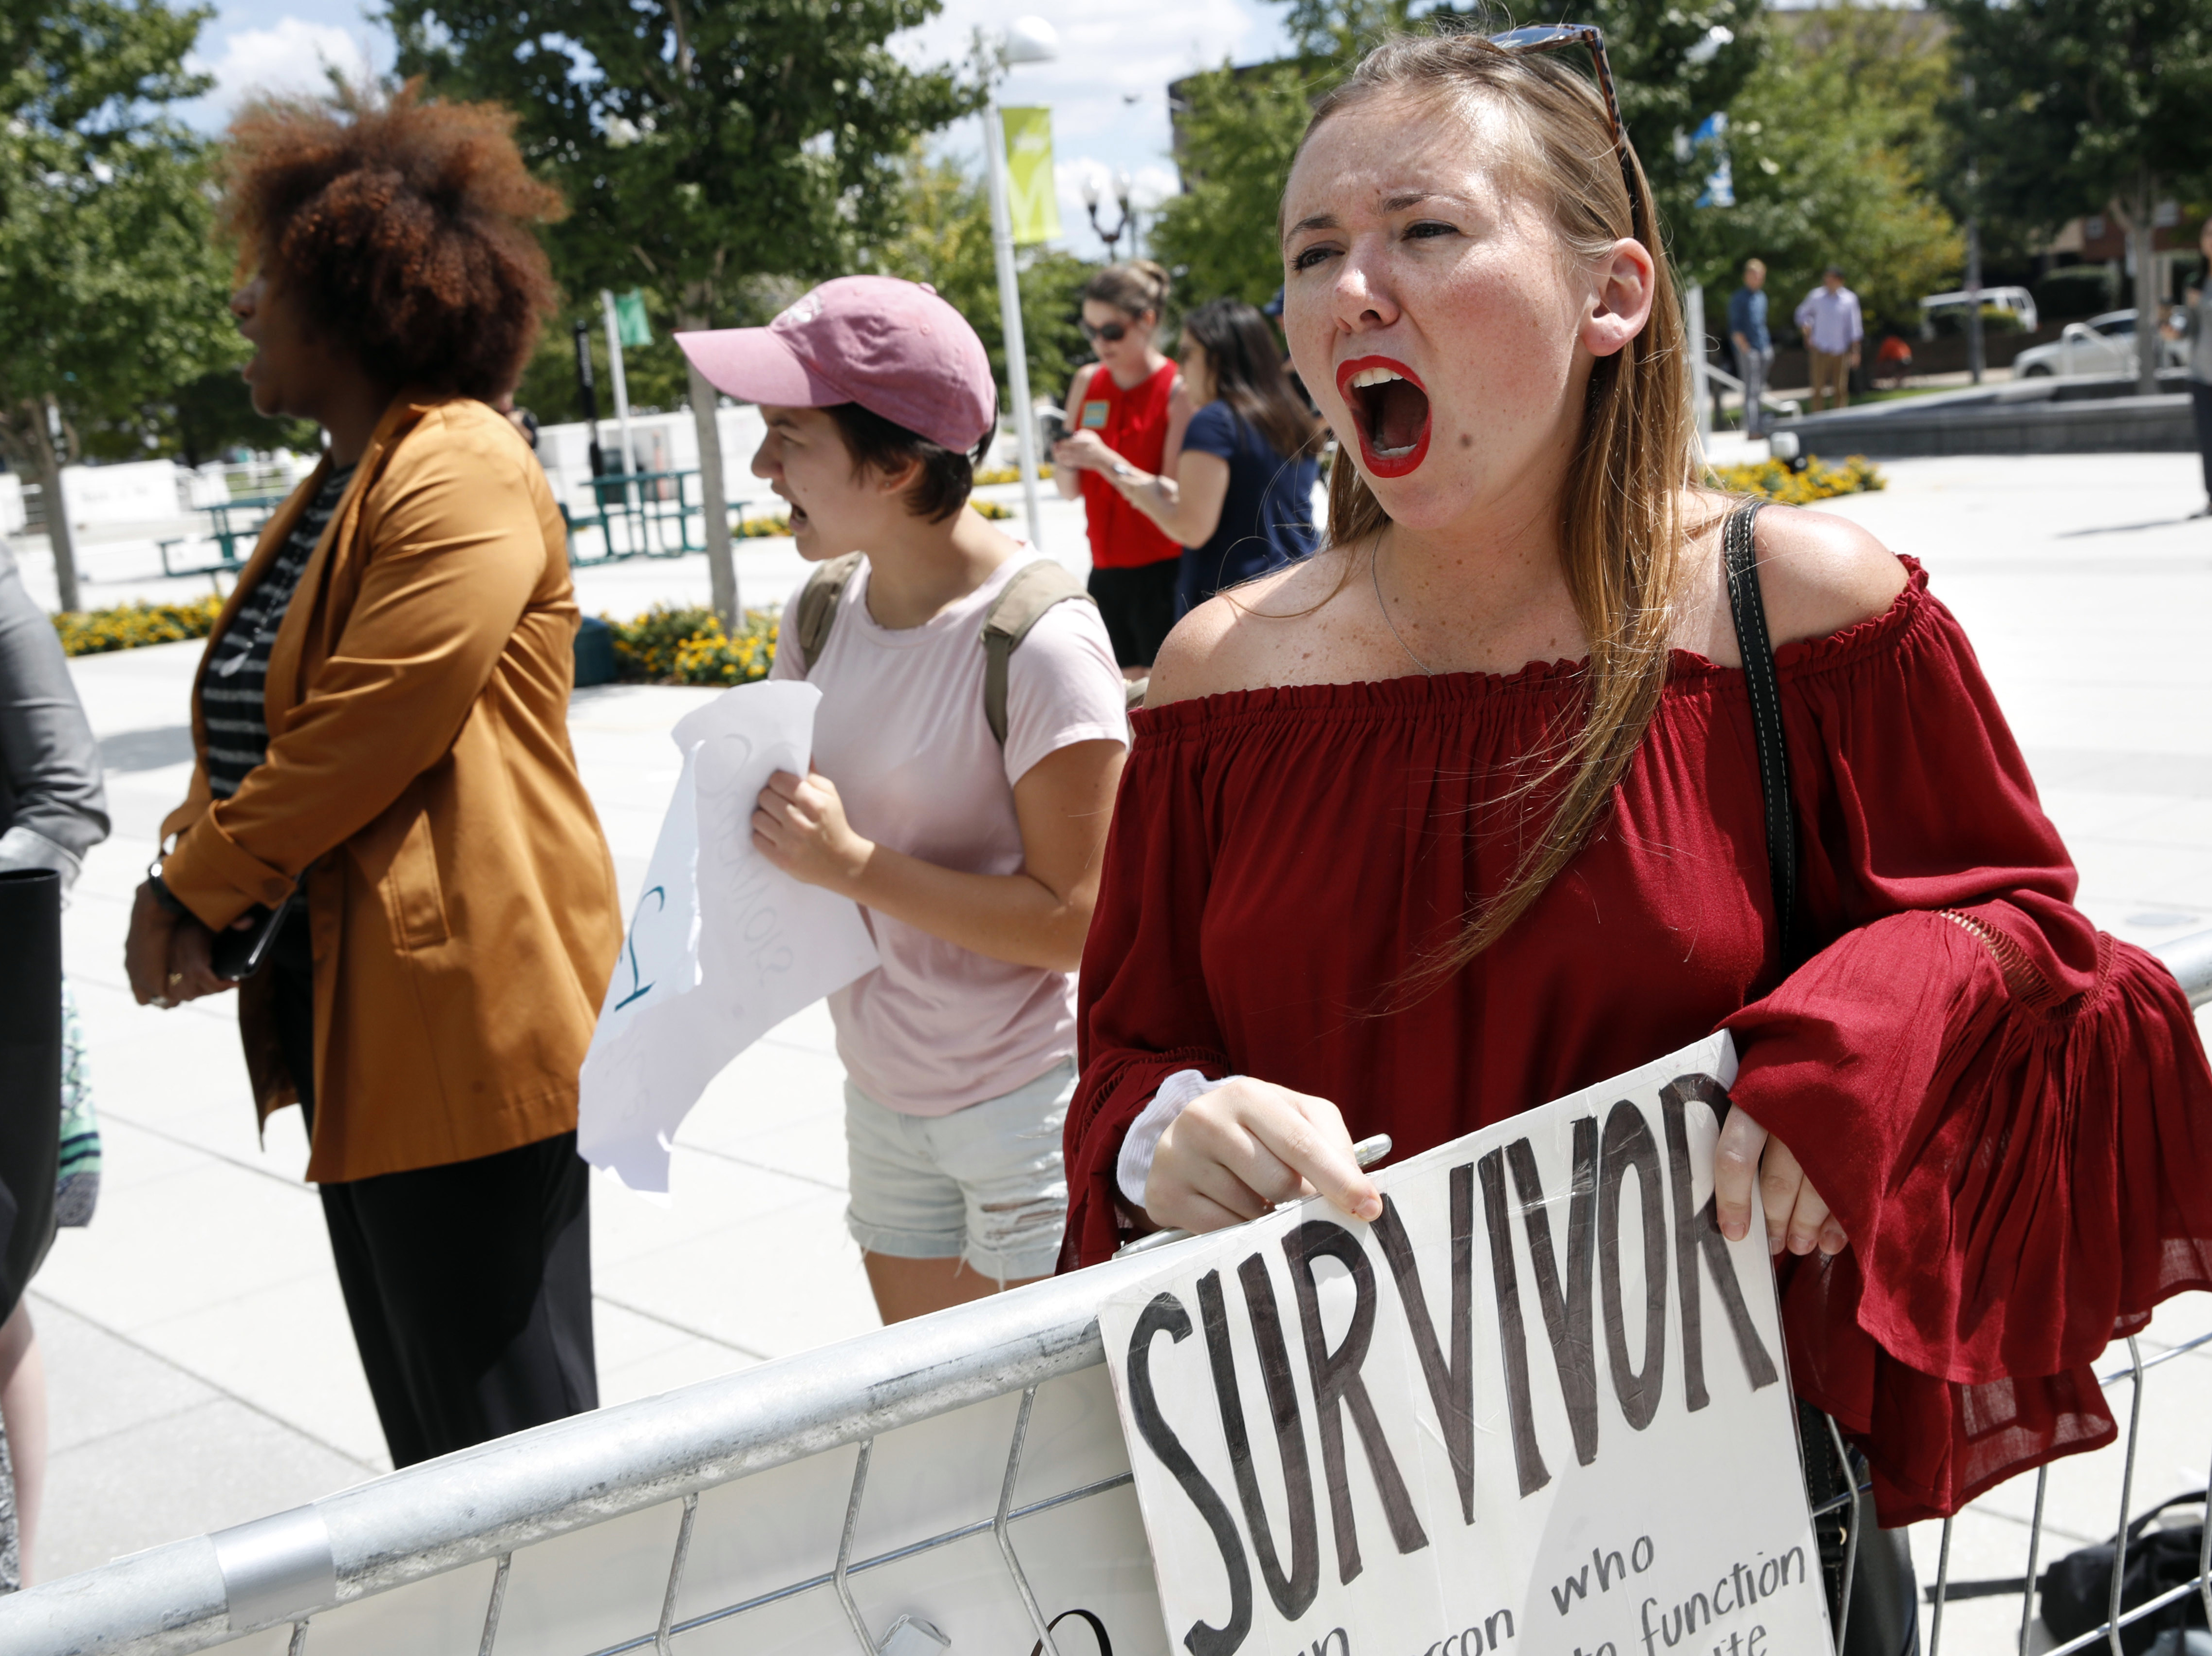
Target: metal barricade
point(496, 1503)
point(2117, 1616)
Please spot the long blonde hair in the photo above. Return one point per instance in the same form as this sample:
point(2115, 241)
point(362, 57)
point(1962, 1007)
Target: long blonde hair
point(1621, 530)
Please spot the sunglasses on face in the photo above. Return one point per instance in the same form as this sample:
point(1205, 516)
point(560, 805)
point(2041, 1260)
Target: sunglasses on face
point(1550, 37)
point(1112, 333)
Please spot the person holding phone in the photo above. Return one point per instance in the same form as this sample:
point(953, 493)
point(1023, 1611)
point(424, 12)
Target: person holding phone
point(1241, 498)
point(1126, 415)
point(386, 813)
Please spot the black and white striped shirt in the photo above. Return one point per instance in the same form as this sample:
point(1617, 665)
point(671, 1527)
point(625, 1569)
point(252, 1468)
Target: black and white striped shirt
point(237, 721)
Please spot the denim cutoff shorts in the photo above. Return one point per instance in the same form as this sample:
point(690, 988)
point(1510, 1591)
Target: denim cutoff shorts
point(984, 1185)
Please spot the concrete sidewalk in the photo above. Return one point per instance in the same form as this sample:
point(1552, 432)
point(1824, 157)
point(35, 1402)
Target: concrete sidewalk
point(201, 1366)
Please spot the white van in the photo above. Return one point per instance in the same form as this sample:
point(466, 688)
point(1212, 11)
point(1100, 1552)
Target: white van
point(2013, 301)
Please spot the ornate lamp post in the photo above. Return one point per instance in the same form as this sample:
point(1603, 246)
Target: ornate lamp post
point(1090, 195)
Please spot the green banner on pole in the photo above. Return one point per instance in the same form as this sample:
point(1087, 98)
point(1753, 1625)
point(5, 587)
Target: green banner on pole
point(630, 325)
point(1032, 198)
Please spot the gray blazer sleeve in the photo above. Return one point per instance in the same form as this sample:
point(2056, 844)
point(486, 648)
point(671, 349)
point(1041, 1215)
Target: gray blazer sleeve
point(53, 806)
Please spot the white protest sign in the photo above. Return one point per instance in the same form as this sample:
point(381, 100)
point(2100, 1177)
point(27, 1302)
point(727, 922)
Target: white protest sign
point(1538, 1406)
point(723, 946)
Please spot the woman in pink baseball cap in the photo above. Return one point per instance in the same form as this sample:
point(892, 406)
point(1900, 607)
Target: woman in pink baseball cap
point(967, 815)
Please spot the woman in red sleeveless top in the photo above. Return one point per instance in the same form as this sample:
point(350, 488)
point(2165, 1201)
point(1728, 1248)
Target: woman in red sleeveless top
point(1125, 414)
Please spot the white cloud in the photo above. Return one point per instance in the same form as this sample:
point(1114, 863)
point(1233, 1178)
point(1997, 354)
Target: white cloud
point(295, 56)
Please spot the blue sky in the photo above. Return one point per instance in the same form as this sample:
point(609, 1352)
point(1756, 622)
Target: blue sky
point(1108, 92)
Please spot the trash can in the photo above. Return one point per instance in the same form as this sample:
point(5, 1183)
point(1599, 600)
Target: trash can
point(595, 652)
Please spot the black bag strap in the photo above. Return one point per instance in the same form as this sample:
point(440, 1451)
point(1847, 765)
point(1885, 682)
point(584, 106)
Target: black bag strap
point(1739, 540)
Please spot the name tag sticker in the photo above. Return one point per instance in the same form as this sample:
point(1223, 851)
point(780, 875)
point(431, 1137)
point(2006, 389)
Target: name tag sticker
point(1094, 417)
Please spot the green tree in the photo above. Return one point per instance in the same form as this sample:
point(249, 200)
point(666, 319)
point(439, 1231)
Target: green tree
point(1673, 69)
point(195, 421)
point(2073, 107)
point(1673, 64)
point(946, 241)
point(658, 375)
point(1237, 136)
point(1829, 145)
point(111, 292)
point(699, 143)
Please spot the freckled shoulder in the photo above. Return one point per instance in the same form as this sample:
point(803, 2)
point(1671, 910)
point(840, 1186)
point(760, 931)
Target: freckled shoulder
point(1820, 573)
point(1236, 639)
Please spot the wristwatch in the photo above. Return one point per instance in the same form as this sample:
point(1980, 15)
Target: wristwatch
point(1122, 469)
point(162, 895)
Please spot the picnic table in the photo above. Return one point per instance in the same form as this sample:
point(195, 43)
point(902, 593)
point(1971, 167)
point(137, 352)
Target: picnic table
point(643, 514)
point(239, 518)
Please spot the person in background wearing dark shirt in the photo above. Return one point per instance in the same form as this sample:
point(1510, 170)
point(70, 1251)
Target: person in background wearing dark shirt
point(1241, 501)
point(1754, 346)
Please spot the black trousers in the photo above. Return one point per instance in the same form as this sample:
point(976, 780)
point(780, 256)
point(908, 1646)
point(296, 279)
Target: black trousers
point(2200, 405)
point(1138, 608)
point(469, 1286)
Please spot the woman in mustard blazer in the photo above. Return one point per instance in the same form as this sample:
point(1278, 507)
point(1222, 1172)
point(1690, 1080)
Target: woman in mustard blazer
point(381, 720)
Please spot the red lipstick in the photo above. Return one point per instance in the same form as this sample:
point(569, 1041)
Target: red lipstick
point(1395, 407)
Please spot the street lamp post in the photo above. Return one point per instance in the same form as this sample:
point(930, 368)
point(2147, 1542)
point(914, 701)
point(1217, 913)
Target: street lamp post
point(1112, 237)
point(1027, 41)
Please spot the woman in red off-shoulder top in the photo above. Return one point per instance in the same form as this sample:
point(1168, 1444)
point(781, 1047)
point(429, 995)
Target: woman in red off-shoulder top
point(1991, 1125)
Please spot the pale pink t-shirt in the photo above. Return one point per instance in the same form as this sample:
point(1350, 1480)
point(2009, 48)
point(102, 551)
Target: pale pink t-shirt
point(901, 733)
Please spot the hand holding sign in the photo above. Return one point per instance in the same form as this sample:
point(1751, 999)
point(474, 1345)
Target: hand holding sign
point(1535, 1404)
point(1239, 1151)
point(1797, 1216)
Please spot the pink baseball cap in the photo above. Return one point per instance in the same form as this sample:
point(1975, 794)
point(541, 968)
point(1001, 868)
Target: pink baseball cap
point(893, 347)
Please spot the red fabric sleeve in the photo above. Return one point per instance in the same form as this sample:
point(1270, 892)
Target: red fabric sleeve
point(2009, 1112)
point(1145, 1011)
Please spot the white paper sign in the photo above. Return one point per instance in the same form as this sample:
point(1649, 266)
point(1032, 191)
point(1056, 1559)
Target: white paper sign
point(1539, 1406)
point(724, 945)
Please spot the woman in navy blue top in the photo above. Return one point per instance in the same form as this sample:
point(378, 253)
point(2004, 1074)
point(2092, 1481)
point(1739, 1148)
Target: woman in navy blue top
point(1241, 502)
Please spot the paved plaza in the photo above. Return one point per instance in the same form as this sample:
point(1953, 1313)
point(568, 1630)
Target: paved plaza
point(201, 1368)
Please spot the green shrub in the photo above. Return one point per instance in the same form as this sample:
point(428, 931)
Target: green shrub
point(2076, 290)
point(645, 649)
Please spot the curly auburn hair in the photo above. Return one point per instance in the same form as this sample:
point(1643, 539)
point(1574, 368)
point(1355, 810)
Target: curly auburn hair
point(405, 226)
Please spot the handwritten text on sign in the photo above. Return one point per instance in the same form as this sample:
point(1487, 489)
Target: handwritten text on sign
point(722, 945)
point(1536, 1406)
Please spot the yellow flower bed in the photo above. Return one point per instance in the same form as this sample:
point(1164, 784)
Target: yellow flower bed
point(687, 646)
point(1819, 480)
point(1007, 474)
point(127, 626)
point(712, 657)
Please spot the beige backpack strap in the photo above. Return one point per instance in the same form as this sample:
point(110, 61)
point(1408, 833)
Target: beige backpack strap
point(816, 611)
point(1033, 589)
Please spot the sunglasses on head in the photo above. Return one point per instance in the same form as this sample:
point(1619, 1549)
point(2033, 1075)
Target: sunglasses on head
point(1111, 333)
point(1550, 37)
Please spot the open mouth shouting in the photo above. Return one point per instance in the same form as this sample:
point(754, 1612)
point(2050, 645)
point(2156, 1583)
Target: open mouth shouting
point(797, 514)
point(1390, 407)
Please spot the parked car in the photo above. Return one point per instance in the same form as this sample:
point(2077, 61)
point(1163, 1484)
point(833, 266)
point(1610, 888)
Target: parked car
point(2103, 345)
point(2015, 303)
